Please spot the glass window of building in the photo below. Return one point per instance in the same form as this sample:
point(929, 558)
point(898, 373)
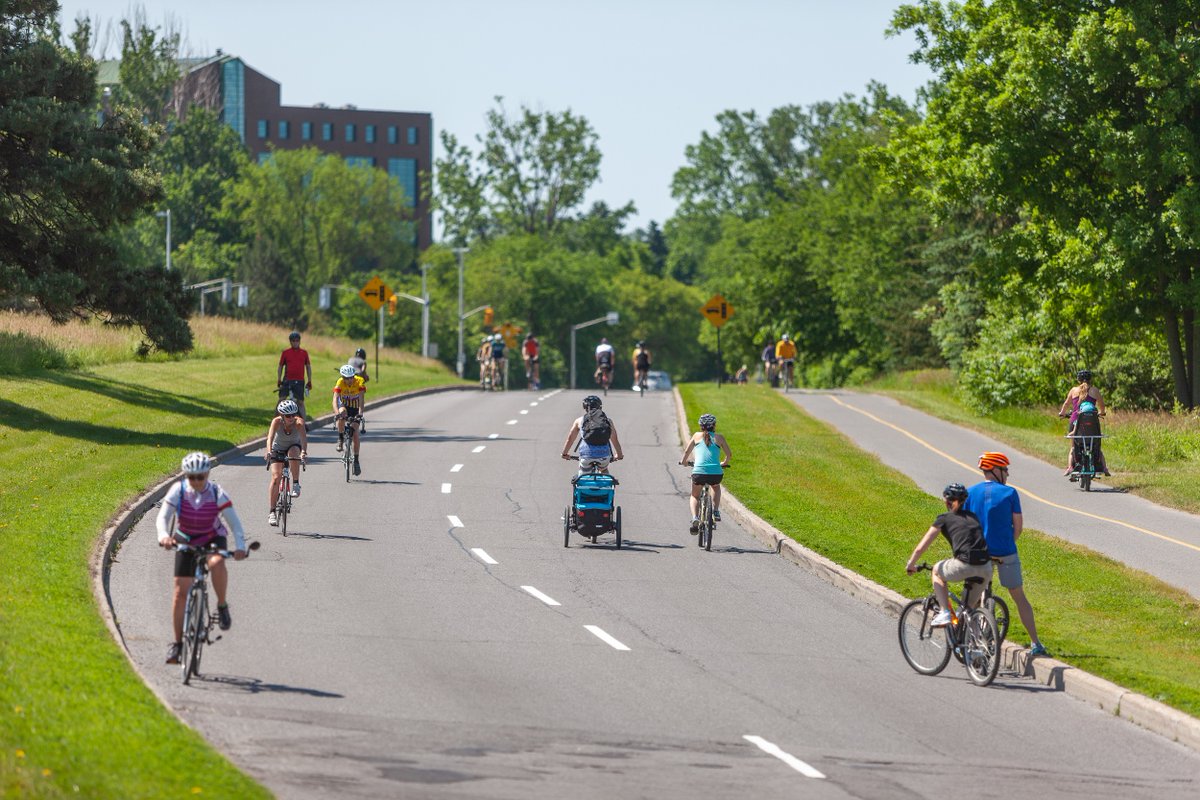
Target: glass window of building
point(412, 135)
point(393, 134)
point(264, 158)
point(263, 129)
point(350, 131)
point(369, 134)
point(360, 161)
point(306, 131)
point(327, 131)
point(405, 171)
point(285, 129)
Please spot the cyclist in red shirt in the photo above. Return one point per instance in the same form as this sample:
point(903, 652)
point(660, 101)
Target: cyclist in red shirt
point(295, 372)
point(532, 368)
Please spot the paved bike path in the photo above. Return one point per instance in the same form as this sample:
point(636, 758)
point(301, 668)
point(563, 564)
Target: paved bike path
point(377, 653)
point(1161, 541)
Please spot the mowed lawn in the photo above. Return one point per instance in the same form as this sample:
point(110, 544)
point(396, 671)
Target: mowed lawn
point(75, 720)
point(817, 487)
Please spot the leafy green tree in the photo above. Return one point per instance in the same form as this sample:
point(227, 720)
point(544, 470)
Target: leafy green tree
point(66, 179)
point(149, 69)
point(199, 160)
point(1078, 121)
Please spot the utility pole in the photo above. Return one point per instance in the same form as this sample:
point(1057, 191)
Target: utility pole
point(612, 318)
point(167, 214)
point(461, 362)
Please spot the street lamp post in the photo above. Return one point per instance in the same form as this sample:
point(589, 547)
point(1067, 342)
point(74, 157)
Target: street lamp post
point(612, 318)
point(461, 362)
point(167, 214)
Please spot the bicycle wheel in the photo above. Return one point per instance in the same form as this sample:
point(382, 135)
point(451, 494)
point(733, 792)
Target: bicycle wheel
point(999, 610)
point(567, 526)
point(703, 516)
point(981, 647)
point(195, 623)
point(617, 525)
point(926, 649)
point(347, 459)
point(283, 504)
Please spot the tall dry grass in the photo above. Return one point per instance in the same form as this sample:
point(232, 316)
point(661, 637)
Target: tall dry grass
point(33, 341)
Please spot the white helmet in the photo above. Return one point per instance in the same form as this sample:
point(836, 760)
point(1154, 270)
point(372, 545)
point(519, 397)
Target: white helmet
point(348, 371)
point(786, 337)
point(195, 464)
point(287, 407)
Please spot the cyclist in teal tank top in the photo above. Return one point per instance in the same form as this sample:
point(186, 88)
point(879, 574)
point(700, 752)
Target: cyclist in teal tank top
point(706, 447)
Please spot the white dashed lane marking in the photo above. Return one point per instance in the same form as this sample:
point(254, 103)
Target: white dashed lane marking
point(787, 758)
point(480, 449)
point(511, 422)
point(599, 633)
point(482, 556)
point(456, 468)
point(548, 600)
point(455, 522)
point(445, 488)
point(524, 410)
point(493, 436)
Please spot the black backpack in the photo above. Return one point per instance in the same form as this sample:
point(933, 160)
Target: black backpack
point(596, 428)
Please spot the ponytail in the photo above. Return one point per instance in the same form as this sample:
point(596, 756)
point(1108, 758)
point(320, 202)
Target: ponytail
point(707, 439)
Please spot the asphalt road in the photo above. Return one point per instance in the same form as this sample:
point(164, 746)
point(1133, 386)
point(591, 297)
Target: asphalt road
point(378, 652)
point(1161, 541)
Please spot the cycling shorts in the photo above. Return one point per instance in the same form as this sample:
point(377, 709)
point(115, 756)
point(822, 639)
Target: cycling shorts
point(281, 456)
point(701, 479)
point(352, 412)
point(185, 560)
point(605, 366)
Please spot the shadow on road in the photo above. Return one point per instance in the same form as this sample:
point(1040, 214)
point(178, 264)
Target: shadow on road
point(257, 686)
point(388, 483)
point(329, 536)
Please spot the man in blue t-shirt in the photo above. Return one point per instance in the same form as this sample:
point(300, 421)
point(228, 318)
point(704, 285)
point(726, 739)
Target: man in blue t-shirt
point(998, 507)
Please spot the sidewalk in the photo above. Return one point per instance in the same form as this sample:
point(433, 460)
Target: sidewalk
point(1160, 541)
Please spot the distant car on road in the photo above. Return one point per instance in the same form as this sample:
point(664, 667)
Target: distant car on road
point(656, 381)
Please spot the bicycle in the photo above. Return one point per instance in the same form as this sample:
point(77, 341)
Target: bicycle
point(348, 445)
point(643, 383)
point(788, 368)
point(605, 378)
point(283, 503)
point(972, 636)
point(197, 619)
point(708, 522)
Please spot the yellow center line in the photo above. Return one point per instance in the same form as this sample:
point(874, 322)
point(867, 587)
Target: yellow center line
point(1039, 498)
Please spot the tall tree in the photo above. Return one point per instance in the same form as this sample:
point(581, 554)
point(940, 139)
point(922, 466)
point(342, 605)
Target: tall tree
point(66, 179)
point(1080, 121)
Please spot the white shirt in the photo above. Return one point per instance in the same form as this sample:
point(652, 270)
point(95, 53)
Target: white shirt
point(166, 512)
point(604, 348)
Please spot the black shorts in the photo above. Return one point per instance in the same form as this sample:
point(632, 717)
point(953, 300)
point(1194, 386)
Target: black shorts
point(644, 366)
point(699, 479)
point(295, 387)
point(604, 366)
point(185, 560)
point(280, 456)
point(352, 412)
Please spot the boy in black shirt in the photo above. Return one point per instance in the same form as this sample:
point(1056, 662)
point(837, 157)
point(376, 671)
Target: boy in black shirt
point(965, 535)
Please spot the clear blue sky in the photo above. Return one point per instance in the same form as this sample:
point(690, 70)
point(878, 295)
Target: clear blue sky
point(650, 75)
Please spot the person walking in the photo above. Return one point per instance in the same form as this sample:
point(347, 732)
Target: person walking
point(998, 507)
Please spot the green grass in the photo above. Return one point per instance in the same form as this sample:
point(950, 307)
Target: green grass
point(813, 484)
point(1152, 454)
point(74, 447)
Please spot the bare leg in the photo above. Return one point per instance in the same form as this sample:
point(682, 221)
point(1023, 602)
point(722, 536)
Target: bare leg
point(1025, 611)
point(716, 490)
point(294, 453)
point(178, 601)
point(694, 502)
point(220, 577)
point(276, 472)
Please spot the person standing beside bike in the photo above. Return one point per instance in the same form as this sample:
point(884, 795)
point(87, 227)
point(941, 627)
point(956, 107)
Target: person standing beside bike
point(998, 507)
point(287, 439)
point(964, 532)
point(295, 372)
point(708, 467)
point(599, 444)
point(198, 506)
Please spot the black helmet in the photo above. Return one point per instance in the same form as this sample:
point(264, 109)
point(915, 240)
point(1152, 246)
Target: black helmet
point(591, 401)
point(1083, 375)
point(529, 335)
point(955, 491)
point(360, 353)
point(294, 336)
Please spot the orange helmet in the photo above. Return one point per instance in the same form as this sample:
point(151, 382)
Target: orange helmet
point(992, 461)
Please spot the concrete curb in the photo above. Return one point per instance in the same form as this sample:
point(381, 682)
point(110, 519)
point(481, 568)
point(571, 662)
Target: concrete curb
point(1106, 695)
point(103, 554)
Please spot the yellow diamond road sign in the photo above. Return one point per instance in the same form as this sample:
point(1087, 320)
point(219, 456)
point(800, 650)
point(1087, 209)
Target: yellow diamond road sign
point(509, 333)
point(375, 293)
point(717, 309)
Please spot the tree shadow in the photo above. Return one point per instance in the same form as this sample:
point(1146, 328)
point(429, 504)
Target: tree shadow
point(138, 395)
point(257, 686)
point(32, 418)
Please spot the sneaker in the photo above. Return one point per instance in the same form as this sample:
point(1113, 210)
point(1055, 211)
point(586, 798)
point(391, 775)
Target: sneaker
point(223, 618)
point(941, 619)
point(295, 490)
point(695, 526)
point(272, 520)
point(174, 649)
point(357, 468)
point(1038, 649)
point(339, 445)
point(716, 515)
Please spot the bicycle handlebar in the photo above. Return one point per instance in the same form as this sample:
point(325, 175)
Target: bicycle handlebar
point(184, 548)
point(726, 465)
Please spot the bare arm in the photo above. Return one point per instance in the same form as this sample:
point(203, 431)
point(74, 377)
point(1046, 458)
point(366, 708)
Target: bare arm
point(1018, 525)
point(566, 450)
point(921, 547)
point(616, 443)
point(1099, 402)
point(688, 450)
point(724, 446)
point(271, 437)
point(279, 373)
point(308, 369)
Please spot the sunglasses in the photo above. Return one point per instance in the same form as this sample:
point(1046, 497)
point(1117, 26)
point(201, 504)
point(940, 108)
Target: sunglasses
point(201, 477)
point(289, 416)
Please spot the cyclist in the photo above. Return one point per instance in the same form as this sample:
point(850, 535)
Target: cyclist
point(998, 507)
point(769, 361)
point(295, 372)
point(964, 532)
point(348, 395)
point(484, 356)
point(532, 350)
point(287, 439)
point(641, 364)
point(785, 354)
point(708, 467)
point(359, 362)
point(1080, 394)
point(598, 440)
point(499, 361)
point(198, 506)
point(742, 375)
point(605, 355)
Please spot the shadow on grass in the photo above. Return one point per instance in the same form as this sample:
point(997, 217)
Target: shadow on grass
point(170, 402)
point(33, 419)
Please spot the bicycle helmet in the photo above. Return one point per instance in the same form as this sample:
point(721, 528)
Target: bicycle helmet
point(1084, 375)
point(955, 491)
point(360, 353)
point(592, 401)
point(785, 338)
point(989, 461)
point(195, 464)
point(347, 371)
point(707, 422)
point(294, 336)
point(287, 407)
point(1087, 407)
point(528, 336)
point(641, 344)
